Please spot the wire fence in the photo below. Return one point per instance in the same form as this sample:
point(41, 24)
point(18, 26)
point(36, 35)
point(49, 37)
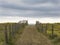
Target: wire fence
point(53, 30)
point(8, 32)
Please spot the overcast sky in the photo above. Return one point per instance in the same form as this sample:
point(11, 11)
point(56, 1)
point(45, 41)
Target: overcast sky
point(36, 9)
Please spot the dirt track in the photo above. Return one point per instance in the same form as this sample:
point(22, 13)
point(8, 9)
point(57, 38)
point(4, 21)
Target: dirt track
point(31, 36)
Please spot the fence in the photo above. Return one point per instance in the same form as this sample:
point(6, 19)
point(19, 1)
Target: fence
point(9, 31)
point(2, 34)
point(49, 29)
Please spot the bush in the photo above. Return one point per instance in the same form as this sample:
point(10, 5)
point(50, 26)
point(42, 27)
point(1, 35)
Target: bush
point(53, 37)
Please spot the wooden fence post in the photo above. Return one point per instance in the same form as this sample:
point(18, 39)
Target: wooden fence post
point(6, 36)
point(52, 31)
point(46, 29)
point(42, 28)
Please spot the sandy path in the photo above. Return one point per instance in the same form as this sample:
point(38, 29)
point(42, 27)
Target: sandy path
point(31, 36)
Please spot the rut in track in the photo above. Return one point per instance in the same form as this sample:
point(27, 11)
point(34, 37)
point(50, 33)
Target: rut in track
point(31, 36)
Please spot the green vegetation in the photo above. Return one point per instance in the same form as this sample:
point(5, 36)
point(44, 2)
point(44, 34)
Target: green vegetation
point(52, 31)
point(1, 34)
point(9, 32)
point(56, 35)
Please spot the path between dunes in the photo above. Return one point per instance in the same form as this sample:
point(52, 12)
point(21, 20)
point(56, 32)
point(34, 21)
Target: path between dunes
point(31, 36)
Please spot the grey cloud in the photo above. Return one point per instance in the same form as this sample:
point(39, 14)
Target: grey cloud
point(33, 14)
point(33, 1)
point(13, 6)
point(36, 11)
point(40, 1)
point(20, 7)
point(45, 14)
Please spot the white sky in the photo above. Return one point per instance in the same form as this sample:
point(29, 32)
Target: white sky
point(31, 20)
